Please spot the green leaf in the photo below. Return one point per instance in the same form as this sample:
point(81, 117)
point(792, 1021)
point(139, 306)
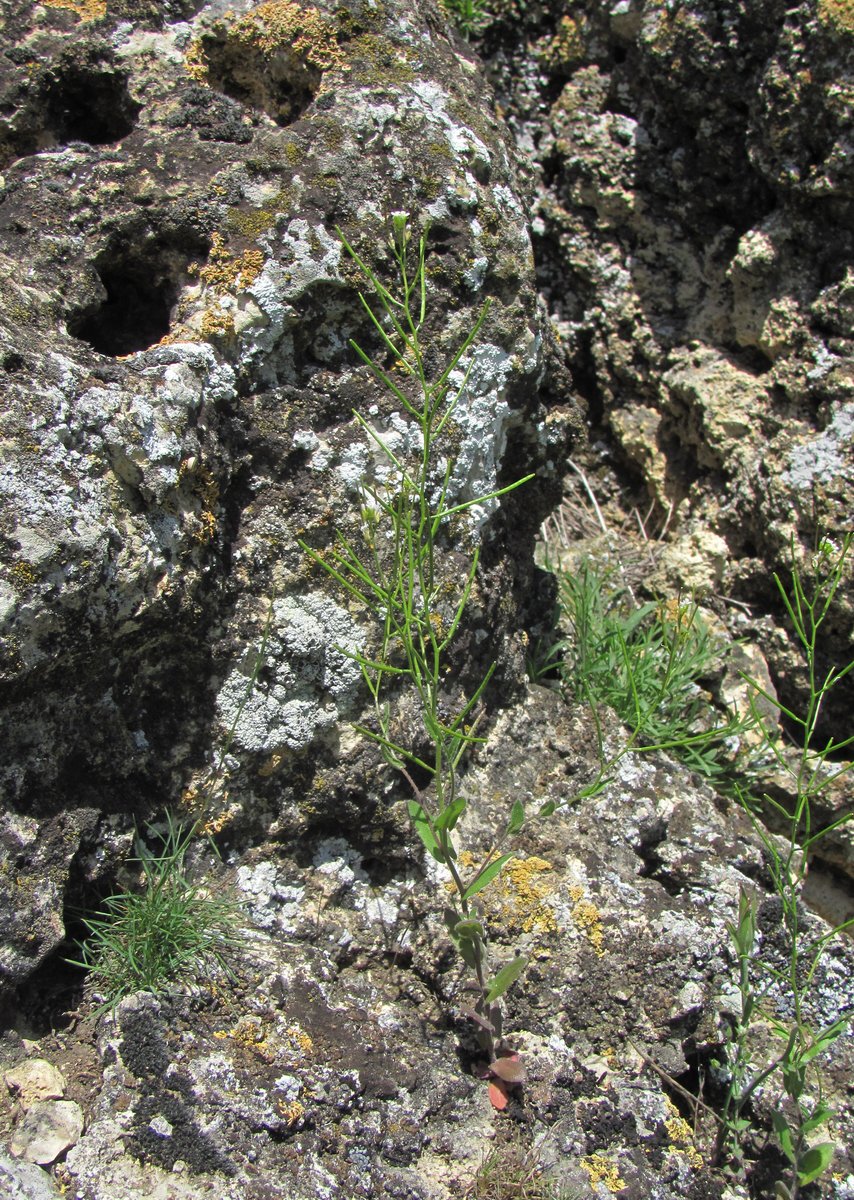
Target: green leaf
point(449, 816)
point(468, 928)
point(505, 977)
point(816, 1161)
point(470, 952)
point(517, 818)
point(819, 1115)
point(485, 876)
point(784, 1135)
point(548, 808)
point(422, 828)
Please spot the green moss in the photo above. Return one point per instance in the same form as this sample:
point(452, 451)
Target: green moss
point(380, 61)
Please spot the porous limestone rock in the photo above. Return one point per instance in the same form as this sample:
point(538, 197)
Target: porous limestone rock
point(178, 396)
point(694, 234)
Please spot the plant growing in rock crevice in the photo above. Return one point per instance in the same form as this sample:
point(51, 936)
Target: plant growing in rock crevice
point(395, 574)
point(765, 979)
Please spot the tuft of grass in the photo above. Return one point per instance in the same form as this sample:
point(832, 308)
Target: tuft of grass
point(147, 939)
point(512, 1172)
point(648, 662)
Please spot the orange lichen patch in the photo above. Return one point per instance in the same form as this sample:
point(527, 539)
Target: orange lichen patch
point(603, 1170)
point(87, 10)
point(588, 919)
point(837, 12)
point(521, 894)
point(225, 272)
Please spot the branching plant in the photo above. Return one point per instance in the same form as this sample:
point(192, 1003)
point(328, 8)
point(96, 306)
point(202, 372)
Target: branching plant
point(393, 571)
point(813, 768)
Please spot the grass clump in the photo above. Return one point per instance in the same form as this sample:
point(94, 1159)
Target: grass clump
point(148, 938)
point(471, 17)
point(648, 663)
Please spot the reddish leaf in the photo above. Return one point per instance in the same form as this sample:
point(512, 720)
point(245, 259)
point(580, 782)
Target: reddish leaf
point(510, 1069)
point(498, 1094)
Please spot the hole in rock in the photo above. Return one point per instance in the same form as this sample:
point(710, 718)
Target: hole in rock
point(141, 272)
point(88, 102)
point(278, 84)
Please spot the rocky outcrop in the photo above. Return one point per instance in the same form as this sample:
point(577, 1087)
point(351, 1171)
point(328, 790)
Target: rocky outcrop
point(179, 394)
point(694, 237)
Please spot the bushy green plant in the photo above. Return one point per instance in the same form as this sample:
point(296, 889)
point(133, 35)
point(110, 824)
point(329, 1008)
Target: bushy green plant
point(148, 938)
point(763, 980)
point(470, 16)
point(647, 662)
point(393, 571)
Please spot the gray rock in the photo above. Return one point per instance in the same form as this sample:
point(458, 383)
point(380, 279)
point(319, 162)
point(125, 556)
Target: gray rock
point(25, 1181)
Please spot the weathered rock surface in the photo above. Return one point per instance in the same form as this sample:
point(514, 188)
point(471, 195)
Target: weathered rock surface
point(179, 395)
point(694, 236)
point(177, 402)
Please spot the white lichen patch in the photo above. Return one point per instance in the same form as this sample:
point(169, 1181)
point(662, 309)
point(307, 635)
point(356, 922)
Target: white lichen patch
point(305, 681)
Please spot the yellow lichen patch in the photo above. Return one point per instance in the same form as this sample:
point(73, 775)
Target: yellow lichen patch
point(521, 893)
point(603, 1170)
point(271, 765)
point(681, 1135)
point(588, 919)
point(216, 324)
point(225, 272)
point(291, 1110)
point(299, 1039)
point(24, 575)
point(273, 26)
point(87, 10)
point(195, 63)
point(278, 23)
point(249, 1033)
point(837, 12)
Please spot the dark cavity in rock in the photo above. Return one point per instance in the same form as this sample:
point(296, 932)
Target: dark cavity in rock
point(280, 85)
point(141, 272)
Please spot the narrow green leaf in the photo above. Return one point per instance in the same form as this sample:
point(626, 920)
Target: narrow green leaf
point(485, 876)
point(548, 808)
point(505, 978)
point(784, 1135)
point(422, 828)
